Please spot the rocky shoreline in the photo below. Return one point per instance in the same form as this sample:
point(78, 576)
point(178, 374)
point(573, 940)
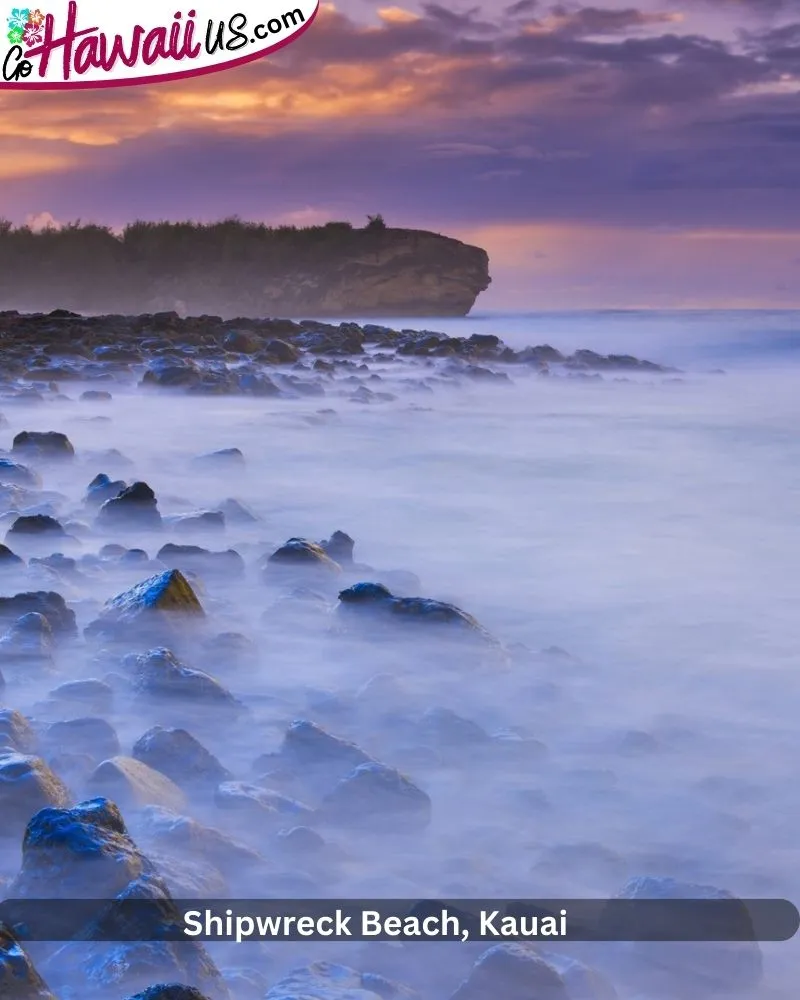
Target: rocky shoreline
point(270, 357)
point(159, 739)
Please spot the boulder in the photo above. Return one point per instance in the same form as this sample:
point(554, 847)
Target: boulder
point(301, 555)
point(19, 475)
point(159, 606)
point(324, 981)
point(307, 745)
point(28, 641)
point(181, 757)
point(185, 836)
point(26, 785)
point(103, 488)
point(340, 548)
point(9, 559)
point(379, 798)
point(36, 525)
point(16, 732)
point(48, 445)
point(258, 802)
point(160, 674)
point(92, 736)
point(47, 603)
point(134, 507)
point(169, 991)
point(19, 980)
point(226, 458)
point(134, 784)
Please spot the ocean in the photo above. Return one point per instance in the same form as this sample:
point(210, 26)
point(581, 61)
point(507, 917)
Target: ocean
point(648, 528)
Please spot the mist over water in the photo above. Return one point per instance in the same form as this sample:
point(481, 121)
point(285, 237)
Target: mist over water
point(648, 528)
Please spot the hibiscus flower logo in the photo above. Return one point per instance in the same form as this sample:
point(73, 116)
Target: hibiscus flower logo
point(25, 26)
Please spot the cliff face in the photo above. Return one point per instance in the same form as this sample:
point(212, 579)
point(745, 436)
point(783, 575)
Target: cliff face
point(237, 269)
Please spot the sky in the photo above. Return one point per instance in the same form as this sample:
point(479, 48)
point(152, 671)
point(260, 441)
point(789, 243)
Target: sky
point(615, 155)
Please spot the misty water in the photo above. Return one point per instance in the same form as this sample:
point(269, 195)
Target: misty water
point(647, 528)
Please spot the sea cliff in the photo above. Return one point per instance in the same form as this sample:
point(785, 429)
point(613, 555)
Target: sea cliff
point(233, 268)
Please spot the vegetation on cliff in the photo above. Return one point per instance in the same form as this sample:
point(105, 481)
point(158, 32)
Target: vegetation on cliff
point(235, 267)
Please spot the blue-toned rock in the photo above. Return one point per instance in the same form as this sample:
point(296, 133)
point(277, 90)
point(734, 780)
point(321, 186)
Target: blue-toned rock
point(379, 798)
point(19, 475)
point(133, 507)
point(195, 559)
point(299, 555)
point(50, 445)
point(44, 602)
point(523, 972)
point(19, 979)
point(158, 606)
point(26, 785)
point(160, 674)
point(103, 488)
point(324, 981)
point(181, 757)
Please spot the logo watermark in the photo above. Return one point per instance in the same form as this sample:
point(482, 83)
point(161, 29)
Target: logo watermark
point(93, 44)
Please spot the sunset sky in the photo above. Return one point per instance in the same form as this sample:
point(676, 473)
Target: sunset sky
point(611, 156)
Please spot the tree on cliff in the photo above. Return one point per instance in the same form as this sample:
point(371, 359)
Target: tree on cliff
point(375, 222)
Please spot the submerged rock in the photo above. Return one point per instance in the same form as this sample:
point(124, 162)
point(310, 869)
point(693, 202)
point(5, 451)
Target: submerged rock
point(19, 475)
point(16, 732)
point(103, 488)
point(340, 548)
point(89, 735)
point(43, 445)
point(194, 558)
point(299, 554)
point(9, 559)
point(170, 991)
point(134, 507)
point(29, 640)
point(307, 745)
point(36, 525)
point(48, 603)
point(324, 981)
point(224, 458)
point(157, 606)
point(187, 836)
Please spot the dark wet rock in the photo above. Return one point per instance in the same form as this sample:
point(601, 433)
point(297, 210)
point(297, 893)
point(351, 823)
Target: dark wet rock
point(242, 341)
point(709, 967)
point(58, 562)
point(103, 488)
point(324, 981)
point(112, 551)
point(88, 735)
point(339, 547)
point(224, 458)
point(377, 797)
point(235, 512)
point(172, 373)
point(184, 835)
point(17, 732)
point(19, 980)
point(135, 507)
point(160, 674)
point(134, 784)
point(37, 525)
point(256, 384)
point(194, 558)
point(159, 605)
point(9, 559)
point(43, 445)
point(95, 396)
point(170, 991)
point(19, 475)
point(279, 352)
point(94, 694)
point(375, 603)
point(184, 759)
point(134, 557)
point(522, 972)
point(190, 878)
point(258, 802)
point(27, 785)
point(28, 641)
point(299, 554)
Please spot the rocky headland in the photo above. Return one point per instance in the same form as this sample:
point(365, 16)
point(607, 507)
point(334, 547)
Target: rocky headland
point(233, 268)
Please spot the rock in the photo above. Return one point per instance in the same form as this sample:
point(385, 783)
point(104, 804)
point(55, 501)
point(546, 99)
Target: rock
point(19, 980)
point(158, 606)
point(160, 674)
point(339, 547)
point(43, 445)
point(16, 732)
point(201, 520)
point(224, 458)
point(29, 640)
point(190, 879)
point(257, 802)
point(298, 554)
point(20, 475)
point(171, 373)
point(169, 991)
point(375, 604)
point(324, 981)
point(134, 784)
point(193, 558)
point(36, 525)
point(89, 735)
point(236, 512)
point(26, 785)
point(9, 559)
point(94, 694)
point(187, 836)
point(96, 396)
point(242, 341)
point(47, 603)
point(103, 488)
point(176, 753)
point(444, 728)
point(521, 972)
point(301, 841)
point(698, 967)
point(280, 352)
point(379, 798)
point(307, 745)
point(134, 507)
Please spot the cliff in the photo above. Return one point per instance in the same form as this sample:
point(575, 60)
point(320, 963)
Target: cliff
point(234, 268)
